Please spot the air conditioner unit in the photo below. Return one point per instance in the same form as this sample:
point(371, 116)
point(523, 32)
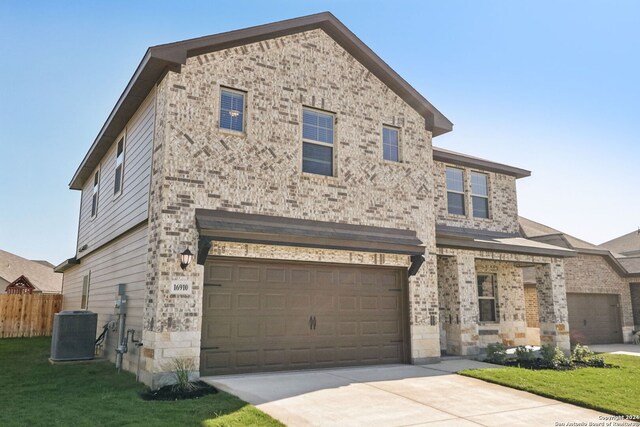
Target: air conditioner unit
point(74, 335)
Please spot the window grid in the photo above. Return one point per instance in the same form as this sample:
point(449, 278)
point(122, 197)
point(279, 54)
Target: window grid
point(317, 142)
point(480, 194)
point(390, 144)
point(118, 180)
point(94, 197)
point(455, 191)
point(487, 296)
point(232, 110)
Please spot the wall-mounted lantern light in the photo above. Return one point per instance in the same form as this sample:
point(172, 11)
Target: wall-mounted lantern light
point(185, 258)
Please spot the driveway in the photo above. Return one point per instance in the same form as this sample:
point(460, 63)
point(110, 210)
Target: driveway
point(626, 349)
point(396, 395)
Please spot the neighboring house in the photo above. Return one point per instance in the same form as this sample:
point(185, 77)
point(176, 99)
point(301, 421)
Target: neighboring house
point(626, 249)
point(19, 275)
point(599, 291)
point(299, 168)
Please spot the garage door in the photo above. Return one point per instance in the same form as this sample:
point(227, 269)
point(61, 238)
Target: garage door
point(267, 316)
point(594, 319)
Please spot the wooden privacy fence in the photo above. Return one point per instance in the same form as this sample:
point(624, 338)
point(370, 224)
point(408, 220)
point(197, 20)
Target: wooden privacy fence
point(28, 315)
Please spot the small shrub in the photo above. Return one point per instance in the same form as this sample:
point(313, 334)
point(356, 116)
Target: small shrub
point(181, 370)
point(582, 354)
point(596, 362)
point(524, 355)
point(496, 353)
point(553, 357)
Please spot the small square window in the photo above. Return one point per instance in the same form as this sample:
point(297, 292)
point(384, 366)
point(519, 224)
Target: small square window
point(317, 142)
point(390, 143)
point(232, 110)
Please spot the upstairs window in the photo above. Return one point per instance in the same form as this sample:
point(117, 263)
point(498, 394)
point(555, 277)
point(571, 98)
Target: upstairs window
point(86, 283)
point(232, 110)
point(455, 191)
point(117, 185)
point(317, 142)
point(94, 197)
point(480, 195)
point(390, 142)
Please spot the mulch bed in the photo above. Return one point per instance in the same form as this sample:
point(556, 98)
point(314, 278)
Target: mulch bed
point(170, 392)
point(538, 364)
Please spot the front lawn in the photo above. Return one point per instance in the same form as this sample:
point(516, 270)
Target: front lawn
point(36, 393)
point(615, 391)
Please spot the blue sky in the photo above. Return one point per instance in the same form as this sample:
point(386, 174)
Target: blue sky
point(544, 85)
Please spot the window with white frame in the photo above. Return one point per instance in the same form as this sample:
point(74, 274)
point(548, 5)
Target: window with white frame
point(487, 297)
point(96, 190)
point(480, 194)
point(317, 142)
point(86, 283)
point(232, 104)
point(390, 143)
point(119, 175)
point(455, 191)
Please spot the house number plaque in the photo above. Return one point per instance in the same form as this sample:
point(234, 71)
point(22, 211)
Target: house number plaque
point(180, 287)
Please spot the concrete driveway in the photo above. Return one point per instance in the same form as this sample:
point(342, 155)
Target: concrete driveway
point(396, 395)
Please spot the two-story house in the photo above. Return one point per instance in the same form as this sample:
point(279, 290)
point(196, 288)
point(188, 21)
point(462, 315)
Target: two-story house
point(299, 168)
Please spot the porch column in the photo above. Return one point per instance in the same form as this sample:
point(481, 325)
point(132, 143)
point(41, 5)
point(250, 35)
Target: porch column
point(552, 304)
point(459, 303)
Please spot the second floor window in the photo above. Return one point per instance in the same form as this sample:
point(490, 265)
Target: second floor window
point(317, 142)
point(455, 191)
point(117, 185)
point(232, 110)
point(94, 197)
point(487, 293)
point(480, 195)
point(390, 144)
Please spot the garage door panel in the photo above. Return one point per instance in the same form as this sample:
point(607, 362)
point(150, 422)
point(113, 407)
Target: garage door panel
point(594, 318)
point(257, 316)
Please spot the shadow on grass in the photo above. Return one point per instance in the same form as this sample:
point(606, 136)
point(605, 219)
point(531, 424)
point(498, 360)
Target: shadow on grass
point(95, 394)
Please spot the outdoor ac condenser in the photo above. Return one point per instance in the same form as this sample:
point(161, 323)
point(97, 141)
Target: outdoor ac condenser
point(74, 335)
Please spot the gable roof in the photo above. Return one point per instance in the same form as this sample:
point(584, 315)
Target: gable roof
point(448, 156)
point(629, 244)
point(42, 277)
point(543, 233)
point(172, 55)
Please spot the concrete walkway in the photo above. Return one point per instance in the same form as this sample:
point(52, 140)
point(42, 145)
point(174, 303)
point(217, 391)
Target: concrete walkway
point(628, 349)
point(397, 395)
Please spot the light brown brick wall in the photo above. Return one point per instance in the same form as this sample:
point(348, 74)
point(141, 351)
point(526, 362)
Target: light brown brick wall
point(196, 165)
point(593, 274)
point(531, 306)
point(503, 202)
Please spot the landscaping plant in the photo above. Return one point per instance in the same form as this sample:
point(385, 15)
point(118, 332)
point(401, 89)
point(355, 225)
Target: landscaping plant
point(584, 356)
point(553, 357)
point(525, 355)
point(496, 353)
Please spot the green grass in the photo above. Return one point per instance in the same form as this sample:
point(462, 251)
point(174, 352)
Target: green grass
point(35, 393)
point(615, 391)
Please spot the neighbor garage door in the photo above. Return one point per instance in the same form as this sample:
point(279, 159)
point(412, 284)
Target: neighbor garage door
point(266, 316)
point(594, 319)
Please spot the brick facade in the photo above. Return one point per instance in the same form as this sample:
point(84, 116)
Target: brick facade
point(503, 202)
point(461, 331)
point(196, 165)
point(593, 274)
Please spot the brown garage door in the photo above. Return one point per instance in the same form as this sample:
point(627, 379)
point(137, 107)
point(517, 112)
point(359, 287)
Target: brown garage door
point(594, 319)
point(266, 316)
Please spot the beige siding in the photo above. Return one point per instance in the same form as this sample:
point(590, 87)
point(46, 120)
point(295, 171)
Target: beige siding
point(123, 261)
point(117, 214)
